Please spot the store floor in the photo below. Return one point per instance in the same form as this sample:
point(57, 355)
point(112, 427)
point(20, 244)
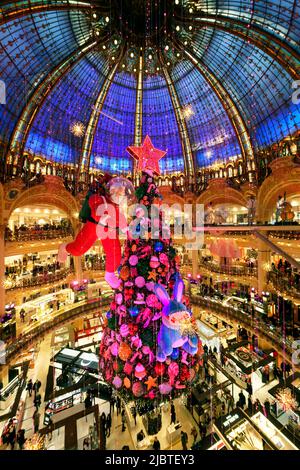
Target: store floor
point(39, 371)
point(118, 438)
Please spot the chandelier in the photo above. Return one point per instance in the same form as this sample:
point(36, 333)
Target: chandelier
point(286, 399)
point(77, 128)
point(36, 442)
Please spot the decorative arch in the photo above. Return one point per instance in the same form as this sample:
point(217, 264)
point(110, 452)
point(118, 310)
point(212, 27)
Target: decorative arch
point(51, 191)
point(285, 177)
point(219, 193)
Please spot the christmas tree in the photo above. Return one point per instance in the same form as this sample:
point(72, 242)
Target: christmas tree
point(150, 349)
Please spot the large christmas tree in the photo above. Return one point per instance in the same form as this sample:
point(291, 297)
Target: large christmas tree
point(150, 349)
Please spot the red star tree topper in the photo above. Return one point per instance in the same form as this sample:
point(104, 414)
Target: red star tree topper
point(147, 156)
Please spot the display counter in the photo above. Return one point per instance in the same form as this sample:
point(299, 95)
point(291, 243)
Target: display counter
point(173, 433)
point(279, 440)
point(241, 433)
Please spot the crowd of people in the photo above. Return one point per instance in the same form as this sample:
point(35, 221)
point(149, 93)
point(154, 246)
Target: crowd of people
point(12, 435)
point(37, 231)
point(284, 275)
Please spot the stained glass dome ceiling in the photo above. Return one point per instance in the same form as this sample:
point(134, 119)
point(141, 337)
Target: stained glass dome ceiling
point(208, 80)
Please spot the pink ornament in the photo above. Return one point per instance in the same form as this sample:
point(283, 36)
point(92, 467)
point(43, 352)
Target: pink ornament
point(138, 389)
point(154, 262)
point(117, 382)
point(165, 388)
point(150, 286)
point(151, 300)
point(124, 330)
point(140, 281)
point(151, 394)
point(173, 371)
point(163, 258)
point(133, 260)
point(127, 368)
point(114, 348)
point(119, 298)
point(140, 371)
point(128, 284)
point(136, 342)
point(139, 299)
point(108, 374)
point(147, 351)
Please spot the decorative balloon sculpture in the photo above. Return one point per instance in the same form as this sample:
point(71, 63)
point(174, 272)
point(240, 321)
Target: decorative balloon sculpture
point(105, 208)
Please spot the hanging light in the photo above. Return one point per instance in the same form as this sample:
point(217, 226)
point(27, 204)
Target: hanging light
point(115, 42)
point(104, 47)
point(177, 28)
point(150, 56)
point(107, 19)
point(132, 55)
point(36, 442)
point(167, 47)
point(77, 128)
point(286, 399)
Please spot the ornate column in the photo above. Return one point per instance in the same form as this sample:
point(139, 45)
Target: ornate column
point(263, 265)
point(78, 268)
point(195, 264)
point(2, 270)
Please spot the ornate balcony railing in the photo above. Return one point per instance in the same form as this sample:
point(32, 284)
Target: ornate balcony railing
point(38, 280)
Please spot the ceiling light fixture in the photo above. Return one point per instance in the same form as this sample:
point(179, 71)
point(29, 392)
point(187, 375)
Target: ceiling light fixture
point(77, 129)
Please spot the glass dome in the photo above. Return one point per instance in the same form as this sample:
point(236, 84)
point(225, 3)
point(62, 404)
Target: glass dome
point(208, 81)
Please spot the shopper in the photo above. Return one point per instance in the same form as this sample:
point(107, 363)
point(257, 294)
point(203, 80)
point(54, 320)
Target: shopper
point(288, 368)
point(123, 419)
point(12, 436)
point(37, 401)
point(118, 405)
point(112, 402)
point(134, 414)
point(184, 440)
point(22, 315)
point(36, 386)
point(86, 444)
point(29, 387)
point(36, 420)
point(108, 424)
point(21, 438)
point(242, 400)
point(173, 413)
point(267, 407)
point(140, 436)
point(250, 405)
point(194, 433)
point(156, 444)
point(88, 401)
point(249, 388)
